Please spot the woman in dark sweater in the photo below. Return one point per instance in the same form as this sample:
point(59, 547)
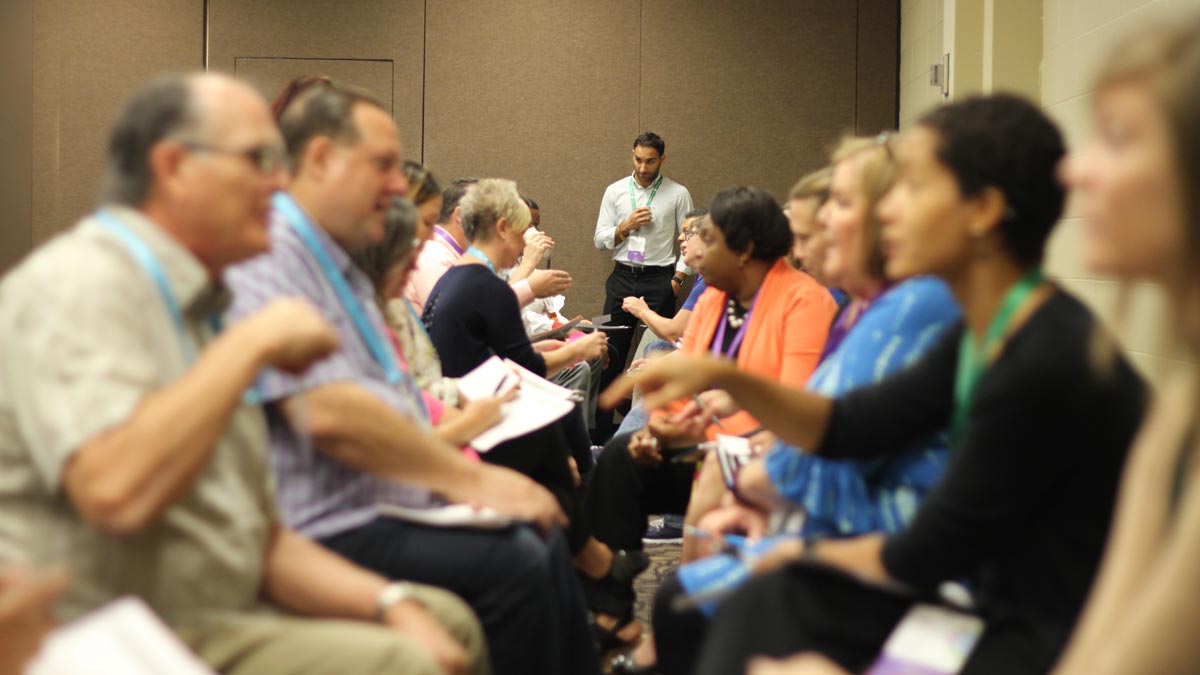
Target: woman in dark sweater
point(1039, 433)
point(471, 315)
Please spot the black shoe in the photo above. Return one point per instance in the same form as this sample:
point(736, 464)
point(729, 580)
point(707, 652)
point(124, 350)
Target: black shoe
point(626, 565)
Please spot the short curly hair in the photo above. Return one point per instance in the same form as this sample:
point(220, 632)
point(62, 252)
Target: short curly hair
point(1007, 143)
point(746, 216)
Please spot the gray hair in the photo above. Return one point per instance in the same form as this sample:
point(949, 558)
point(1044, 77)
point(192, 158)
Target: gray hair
point(399, 238)
point(486, 202)
point(164, 108)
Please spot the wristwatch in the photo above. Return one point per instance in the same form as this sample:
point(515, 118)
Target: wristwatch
point(392, 595)
point(679, 278)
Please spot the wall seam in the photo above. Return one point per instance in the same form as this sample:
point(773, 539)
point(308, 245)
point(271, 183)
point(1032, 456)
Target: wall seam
point(424, 73)
point(641, 32)
point(204, 34)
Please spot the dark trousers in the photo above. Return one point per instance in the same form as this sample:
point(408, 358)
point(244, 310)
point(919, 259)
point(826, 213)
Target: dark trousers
point(542, 455)
point(678, 633)
point(809, 608)
point(622, 493)
point(523, 589)
point(651, 283)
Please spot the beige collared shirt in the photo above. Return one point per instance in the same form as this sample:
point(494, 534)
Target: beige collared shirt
point(84, 337)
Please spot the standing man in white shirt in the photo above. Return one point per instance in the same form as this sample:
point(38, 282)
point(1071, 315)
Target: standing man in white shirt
point(639, 221)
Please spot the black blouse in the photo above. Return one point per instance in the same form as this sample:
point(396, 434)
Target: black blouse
point(1024, 506)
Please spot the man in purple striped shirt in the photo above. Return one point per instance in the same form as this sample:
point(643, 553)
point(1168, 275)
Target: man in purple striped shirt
point(371, 445)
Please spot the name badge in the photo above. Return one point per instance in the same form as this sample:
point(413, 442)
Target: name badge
point(929, 640)
point(636, 251)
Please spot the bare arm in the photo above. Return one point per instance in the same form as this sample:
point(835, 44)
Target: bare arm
point(357, 428)
point(354, 426)
point(123, 479)
point(668, 329)
point(308, 579)
point(583, 349)
point(798, 417)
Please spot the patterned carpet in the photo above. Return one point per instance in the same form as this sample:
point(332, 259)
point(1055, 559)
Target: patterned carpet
point(664, 558)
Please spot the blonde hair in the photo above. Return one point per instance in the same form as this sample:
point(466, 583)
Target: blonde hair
point(813, 185)
point(876, 173)
point(1166, 58)
point(489, 200)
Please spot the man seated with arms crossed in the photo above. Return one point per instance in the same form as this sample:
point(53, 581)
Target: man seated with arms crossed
point(126, 435)
point(372, 448)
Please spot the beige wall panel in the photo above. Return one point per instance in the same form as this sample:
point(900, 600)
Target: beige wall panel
point(16, 125)
point(751, 93)
point(878, 66)
point(270, 75)
point(543, 92)
point(87, 57)
point(319, 33)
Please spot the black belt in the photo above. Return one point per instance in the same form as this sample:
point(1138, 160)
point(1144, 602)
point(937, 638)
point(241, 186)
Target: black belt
point(643, 270)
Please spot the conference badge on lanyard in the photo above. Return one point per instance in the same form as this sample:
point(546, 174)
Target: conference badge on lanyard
point(635, 249)
point(929, 640)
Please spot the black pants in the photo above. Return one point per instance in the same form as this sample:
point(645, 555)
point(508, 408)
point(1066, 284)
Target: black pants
point(678, 633)
point(622, 493)
point(542, 455)
point(522, 588)
point(808, 608)
point(651, 283)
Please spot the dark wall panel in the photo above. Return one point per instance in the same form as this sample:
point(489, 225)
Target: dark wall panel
point(272, 41)
point(16, 125)
point(87, 57)
point(545, 93)
point(878, 77)
point(749, 93)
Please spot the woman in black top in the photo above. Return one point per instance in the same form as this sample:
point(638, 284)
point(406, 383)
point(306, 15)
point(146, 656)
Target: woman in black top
point(1040, 433)
point(472, 314)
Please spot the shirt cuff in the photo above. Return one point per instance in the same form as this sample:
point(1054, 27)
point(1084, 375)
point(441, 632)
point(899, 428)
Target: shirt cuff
point(524, 292)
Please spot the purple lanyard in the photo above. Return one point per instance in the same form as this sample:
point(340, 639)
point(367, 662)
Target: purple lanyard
point(445, 236)
point(719, 339)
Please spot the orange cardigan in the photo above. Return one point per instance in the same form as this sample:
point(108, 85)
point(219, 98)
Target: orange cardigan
point(784, 341)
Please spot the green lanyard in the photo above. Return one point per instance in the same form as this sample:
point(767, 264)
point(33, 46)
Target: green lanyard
point(653, 191)
point(972, 363)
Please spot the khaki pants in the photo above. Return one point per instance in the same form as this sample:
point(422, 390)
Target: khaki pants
point(266, 644)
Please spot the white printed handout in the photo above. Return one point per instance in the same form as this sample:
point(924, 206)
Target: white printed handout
point(929, 640)
point(538, 401)
point(122, 637)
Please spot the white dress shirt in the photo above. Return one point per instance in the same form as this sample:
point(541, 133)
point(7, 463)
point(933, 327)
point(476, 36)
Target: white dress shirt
point(667, 210)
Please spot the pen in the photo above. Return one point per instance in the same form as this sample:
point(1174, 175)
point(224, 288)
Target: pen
point(503, 381)
point(713, 418)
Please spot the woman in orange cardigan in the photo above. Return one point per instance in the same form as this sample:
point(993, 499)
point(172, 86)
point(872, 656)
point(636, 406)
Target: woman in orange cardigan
point(759, 311)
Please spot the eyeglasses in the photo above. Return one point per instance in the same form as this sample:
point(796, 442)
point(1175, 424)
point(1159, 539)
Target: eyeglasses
point(267, 159)
point(885, 139)
point(689, 232)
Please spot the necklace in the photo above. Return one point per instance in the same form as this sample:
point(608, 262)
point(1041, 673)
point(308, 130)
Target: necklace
point(735, 318)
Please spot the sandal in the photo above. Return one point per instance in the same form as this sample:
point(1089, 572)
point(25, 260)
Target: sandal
point(608, 639)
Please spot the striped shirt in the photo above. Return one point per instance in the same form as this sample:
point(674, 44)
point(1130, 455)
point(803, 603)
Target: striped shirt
point(318, 495)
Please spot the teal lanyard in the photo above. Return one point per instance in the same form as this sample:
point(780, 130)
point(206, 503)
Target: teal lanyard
point(972, 362)
point(383, 354)
point(149, 263)
point(653, 191)
point(482, 256)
